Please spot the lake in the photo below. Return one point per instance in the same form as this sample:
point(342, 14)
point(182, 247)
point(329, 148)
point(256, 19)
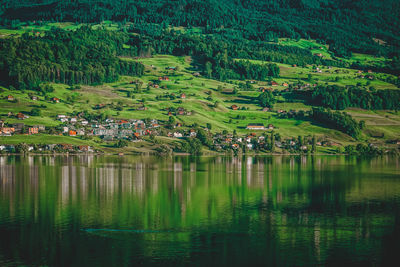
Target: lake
point(199, 211)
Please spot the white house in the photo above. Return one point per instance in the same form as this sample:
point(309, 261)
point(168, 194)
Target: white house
point(178, 135)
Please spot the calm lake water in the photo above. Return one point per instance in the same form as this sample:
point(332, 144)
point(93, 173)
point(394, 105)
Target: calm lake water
point(199, 211)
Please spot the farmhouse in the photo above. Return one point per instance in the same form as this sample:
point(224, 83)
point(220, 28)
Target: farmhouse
point(10, 98)
point(273, 83)
point(67, 147)
point(234, 107)
point(180, 111)
point(183, 96)
point(164, 78)
point(193, 133)
point(178, 135)
point(255, 126)
point(33, 130)
point(34, 98)
point(6, 131)
point(22, 116)
point(55, 100)
point(84, 148)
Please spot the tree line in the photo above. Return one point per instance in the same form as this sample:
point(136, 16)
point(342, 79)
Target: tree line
point(336, 97)
point(337, 120)
point(347, 26)
point(84, 56)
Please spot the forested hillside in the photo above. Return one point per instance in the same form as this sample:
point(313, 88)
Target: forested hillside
point(367, 26)
point(84, 56)
point(287, 76)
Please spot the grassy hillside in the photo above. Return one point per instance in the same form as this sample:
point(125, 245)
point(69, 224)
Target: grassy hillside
point(197, 90)
point(208, 100)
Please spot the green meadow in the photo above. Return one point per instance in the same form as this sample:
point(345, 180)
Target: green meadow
point(201, 96)
point(208, 100)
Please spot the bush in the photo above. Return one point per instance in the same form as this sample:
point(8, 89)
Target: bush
point(35, 112)
point(121, 143)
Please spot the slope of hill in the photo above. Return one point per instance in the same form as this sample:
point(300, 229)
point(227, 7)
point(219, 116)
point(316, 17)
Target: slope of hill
point(348, 26)
point(151, 87)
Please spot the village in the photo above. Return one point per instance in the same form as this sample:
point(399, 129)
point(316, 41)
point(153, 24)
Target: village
point(117, 132)
point(111, 130)
point(136, 130)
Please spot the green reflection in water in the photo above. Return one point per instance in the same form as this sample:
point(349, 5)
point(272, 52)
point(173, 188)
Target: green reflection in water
point(120, 211)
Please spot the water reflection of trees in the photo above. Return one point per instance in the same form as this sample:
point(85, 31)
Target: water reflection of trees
point(314, 184)
point(295, 199)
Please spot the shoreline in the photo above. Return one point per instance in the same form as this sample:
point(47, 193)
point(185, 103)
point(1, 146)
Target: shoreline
point(179, 154)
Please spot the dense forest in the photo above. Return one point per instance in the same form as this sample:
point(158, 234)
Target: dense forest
point(89, 56)
point(85, 56)
point(336, 97)
point(218, 48)
point(348, 26)
point(337, 120)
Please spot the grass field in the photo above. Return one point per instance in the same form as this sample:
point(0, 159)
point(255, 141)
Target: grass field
point(201, 96)
point(324, 50)
point(328, 75)
point(197, 90)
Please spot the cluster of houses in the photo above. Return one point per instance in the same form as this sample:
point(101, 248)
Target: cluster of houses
point(19, 128)
point(252, 141)
point(109, 130)
point(229, 141)
point(133, 129)
point(182, 134)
